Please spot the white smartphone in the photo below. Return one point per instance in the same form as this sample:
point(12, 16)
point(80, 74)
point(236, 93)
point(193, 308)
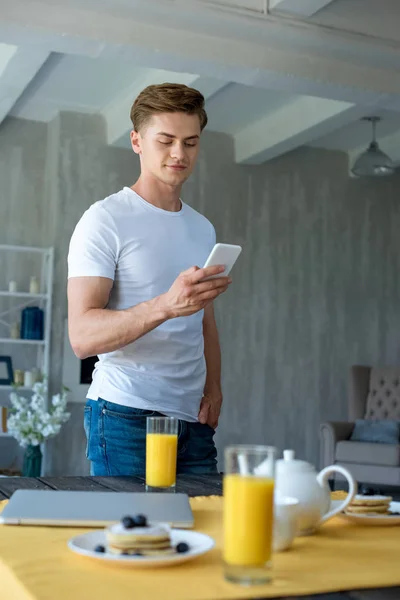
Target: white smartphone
point(223, 254)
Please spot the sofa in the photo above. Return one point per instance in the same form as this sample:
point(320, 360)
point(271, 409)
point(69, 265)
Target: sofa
point(374, 394)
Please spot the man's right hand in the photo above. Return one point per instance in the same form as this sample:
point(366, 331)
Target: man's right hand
point(189, 293)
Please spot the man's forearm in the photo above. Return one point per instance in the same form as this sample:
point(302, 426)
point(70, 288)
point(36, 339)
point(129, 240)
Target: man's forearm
point(101, 330)
point(212, 354)
point(210, 406)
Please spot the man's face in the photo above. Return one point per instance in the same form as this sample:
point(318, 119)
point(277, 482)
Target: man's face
point(168, 146)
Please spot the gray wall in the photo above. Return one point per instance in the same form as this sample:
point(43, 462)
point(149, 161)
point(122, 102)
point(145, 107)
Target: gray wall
point(315, 290)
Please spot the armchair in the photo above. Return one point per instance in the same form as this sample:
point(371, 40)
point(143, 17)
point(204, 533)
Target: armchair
point(374, 393)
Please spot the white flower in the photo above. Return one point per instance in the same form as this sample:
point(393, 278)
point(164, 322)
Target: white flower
point(57, 400)
point(29, 421)
point(37, 403)
point(48, 431)
point(40, 388)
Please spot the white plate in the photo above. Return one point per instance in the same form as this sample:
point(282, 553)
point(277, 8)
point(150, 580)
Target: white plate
point(374, 520)
point(199, 544)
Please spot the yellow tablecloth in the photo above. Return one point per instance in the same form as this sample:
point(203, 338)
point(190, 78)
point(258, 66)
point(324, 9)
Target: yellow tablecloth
point(35, 563)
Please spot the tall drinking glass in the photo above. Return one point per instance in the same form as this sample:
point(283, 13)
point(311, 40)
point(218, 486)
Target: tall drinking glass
point(161, 452)
point(248, 513)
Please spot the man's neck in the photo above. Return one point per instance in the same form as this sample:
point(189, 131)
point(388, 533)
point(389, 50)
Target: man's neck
point(158, 194)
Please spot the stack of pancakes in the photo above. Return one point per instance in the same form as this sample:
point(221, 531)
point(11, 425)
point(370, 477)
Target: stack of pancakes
point(369, 505)
point(141, 541)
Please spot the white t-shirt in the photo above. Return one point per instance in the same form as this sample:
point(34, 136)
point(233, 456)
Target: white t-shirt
point(143, 249)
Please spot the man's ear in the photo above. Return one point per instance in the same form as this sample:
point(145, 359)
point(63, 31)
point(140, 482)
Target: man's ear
point(135, 141)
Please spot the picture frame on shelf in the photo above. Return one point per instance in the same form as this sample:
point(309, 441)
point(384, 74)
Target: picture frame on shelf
point(6, 371)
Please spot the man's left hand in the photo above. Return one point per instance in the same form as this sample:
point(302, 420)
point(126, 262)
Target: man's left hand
point(210, 409)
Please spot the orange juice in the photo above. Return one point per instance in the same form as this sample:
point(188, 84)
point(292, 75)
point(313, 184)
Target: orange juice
point(248, 520)
point(161, 450)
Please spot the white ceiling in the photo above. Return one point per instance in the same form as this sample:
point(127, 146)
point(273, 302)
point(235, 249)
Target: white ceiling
point(303, 72)
point(376, 18)
point(238, 106)
point(75, 83)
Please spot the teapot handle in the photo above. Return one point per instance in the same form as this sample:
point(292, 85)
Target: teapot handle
point(323, 476)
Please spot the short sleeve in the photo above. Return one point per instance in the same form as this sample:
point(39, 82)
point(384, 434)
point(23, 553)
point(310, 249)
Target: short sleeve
point(213, 237)
point(94, 245)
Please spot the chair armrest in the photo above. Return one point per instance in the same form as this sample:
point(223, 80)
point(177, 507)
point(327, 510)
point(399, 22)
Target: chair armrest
point(330, 433)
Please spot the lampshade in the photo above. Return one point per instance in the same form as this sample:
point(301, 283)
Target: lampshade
point(373, 162)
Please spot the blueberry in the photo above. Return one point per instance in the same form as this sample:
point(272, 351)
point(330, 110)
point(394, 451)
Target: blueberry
point(128, 522)
point(100, 548)
point(182, 547)
point(137, 553)
point(140, 521)
point(367, 491)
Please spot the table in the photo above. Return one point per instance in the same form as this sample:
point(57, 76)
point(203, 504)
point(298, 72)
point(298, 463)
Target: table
point(193, 485)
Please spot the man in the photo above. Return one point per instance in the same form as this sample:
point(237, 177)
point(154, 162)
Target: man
point(137, 298)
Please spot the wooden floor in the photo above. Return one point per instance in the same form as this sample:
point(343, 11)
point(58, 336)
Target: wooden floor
point(193, 485)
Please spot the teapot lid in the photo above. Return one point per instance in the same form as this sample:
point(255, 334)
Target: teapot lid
point(289, 463)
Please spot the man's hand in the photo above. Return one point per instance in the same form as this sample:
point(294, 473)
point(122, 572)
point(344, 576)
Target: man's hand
point(189, 293)
point(210, 409)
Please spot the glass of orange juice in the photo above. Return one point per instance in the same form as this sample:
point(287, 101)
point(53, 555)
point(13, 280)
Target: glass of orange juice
point(248, 513)
point(161, 452)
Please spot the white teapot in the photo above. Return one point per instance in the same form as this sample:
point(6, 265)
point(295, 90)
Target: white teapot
point(299, 479)
point(285, 522)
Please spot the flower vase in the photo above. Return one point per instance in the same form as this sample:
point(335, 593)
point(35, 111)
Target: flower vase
point(32, 465)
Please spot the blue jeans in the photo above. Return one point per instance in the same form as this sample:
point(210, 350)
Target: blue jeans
point(116, 441)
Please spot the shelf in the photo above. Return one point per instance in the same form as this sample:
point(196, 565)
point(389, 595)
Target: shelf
point(12, 301)
point(11, 388)
point(29, 249)
point(19, 341)
point(24, 295)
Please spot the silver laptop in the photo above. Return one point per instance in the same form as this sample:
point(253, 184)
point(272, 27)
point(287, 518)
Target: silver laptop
point(94, 509)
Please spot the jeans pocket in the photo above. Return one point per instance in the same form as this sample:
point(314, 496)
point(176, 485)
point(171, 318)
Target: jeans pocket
point(124, 439)
point(127, 413)
point(200, 445)
point(87, 425)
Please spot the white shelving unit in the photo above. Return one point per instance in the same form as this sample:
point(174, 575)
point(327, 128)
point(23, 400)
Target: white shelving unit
point(26, 342)
point(16, 302)
point(23, 295)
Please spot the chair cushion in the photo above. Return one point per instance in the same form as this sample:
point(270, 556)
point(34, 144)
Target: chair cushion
point(379, 431)
point(383, 401)
point(368, 453)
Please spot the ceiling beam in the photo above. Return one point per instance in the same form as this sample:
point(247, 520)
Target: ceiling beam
point(19, 72)
point(117, 114)
point(294, 125)
point(7, 51)
point(302, 8)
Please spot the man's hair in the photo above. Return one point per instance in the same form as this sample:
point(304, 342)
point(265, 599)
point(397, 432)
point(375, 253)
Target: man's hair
point(167, 97)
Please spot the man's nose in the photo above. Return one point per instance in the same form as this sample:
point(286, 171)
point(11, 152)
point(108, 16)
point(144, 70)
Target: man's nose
point(178, 151)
